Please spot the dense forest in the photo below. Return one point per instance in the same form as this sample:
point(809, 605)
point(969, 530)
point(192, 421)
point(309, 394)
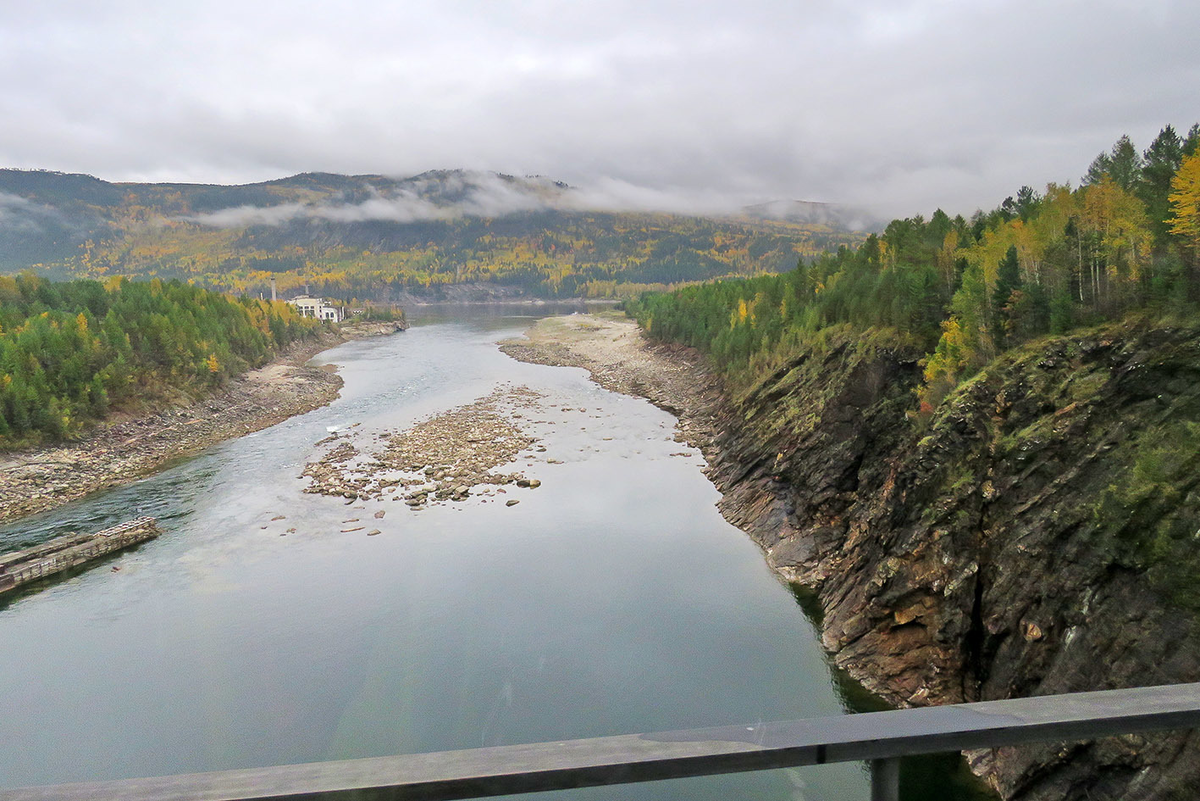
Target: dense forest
point(71, 351)
point(374, 237)
point(965, 290)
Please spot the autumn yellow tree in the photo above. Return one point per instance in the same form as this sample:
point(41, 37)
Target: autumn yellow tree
point(1116, 222)
point(1185, 201)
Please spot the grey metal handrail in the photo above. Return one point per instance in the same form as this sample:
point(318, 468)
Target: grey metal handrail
point(880, 738)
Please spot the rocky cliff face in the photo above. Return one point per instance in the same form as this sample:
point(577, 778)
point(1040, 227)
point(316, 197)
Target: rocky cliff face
point(1038, 535)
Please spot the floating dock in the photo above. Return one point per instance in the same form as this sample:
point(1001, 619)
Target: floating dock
point(72, 550)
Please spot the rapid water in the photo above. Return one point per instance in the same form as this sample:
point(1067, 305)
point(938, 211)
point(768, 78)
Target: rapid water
point(614, 599)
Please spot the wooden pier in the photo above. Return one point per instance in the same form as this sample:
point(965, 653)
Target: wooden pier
point(72, 550)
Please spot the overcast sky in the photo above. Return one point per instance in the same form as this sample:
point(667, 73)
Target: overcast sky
point(900, 106)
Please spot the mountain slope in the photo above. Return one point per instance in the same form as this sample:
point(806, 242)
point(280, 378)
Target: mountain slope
point(376, 236)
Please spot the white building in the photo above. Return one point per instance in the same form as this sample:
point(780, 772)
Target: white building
point(308, 306)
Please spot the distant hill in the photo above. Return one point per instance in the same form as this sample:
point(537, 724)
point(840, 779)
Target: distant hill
point(374, 236)
point(808, 211)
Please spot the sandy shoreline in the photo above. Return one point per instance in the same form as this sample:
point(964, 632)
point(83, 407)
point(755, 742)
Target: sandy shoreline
point(122, 451)
point(612, 348)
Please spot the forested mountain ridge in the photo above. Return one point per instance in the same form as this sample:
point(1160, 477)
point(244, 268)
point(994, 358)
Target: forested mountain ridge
point(371, 236)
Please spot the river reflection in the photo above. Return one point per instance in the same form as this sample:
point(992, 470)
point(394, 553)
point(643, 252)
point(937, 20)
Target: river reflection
point(613, 599)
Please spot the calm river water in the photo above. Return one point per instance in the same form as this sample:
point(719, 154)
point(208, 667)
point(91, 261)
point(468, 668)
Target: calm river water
point(612, 600)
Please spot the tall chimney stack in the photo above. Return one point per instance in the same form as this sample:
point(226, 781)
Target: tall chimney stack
point(273, 298)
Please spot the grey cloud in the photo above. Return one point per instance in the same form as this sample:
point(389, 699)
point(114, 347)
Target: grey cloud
point(402, 208)
point(902, 106)
point(239, 216)
point(19, 214)
point(476, 194)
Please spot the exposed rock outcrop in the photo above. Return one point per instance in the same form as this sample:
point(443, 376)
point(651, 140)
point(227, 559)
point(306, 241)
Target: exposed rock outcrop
point(1029, 540)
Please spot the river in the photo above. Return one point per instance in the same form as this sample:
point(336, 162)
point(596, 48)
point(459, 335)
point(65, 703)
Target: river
point(613, 599)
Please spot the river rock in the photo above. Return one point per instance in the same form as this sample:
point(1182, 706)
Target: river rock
point(440, 459)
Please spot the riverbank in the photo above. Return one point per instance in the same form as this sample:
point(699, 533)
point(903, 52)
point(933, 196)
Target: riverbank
point(613, 350)
point(126, 449)
point(931, 549)
point(611, 347)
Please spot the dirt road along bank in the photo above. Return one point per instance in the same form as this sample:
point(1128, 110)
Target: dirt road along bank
point(124, 450)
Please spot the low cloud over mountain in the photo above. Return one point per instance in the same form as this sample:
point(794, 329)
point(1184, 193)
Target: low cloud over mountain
point(451, 194)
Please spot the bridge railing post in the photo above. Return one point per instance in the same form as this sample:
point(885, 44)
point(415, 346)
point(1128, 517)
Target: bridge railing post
point(885, 779)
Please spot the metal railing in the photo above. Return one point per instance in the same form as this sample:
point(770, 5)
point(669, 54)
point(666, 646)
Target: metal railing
point(880, 738)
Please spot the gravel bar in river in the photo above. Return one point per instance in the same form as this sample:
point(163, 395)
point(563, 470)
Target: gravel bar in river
point(449, 457)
